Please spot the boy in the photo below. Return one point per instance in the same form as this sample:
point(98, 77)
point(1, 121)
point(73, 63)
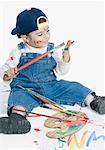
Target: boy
point(33, 27)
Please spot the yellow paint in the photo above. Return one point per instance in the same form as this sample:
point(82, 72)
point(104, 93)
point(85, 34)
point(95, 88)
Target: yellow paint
point(74, 142)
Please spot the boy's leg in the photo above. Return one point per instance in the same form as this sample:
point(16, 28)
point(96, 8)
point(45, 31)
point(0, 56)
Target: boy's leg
point(96, 103)
point(15, 123)
point(70, 93)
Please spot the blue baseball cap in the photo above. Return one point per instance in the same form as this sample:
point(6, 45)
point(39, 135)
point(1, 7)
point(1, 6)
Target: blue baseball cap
point(30, 20)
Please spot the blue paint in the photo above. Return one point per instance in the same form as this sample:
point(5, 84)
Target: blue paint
point(94, 138)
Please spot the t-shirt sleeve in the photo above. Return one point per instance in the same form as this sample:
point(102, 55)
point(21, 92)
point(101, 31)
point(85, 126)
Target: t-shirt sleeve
point(11, 62)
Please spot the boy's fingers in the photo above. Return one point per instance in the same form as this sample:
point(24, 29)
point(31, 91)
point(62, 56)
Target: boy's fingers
point(7, 74)
point(6, 77)
point(15, 70)
point(12, 72)
point(69, 43)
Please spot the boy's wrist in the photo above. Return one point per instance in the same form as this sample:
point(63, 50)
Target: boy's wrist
point(66, 49)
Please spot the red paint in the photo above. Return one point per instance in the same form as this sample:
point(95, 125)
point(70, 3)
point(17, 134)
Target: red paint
point(77, 121)
point(35, 141)
point(69, 139)
point(11, 58)
point(100, 125)
point(37, 130)
point(69, 43)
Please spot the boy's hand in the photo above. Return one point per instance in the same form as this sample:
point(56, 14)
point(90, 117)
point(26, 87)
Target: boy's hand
point(9, 74)
point(66, 55)
point(69, 43)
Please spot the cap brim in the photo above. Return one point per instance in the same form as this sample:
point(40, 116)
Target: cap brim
point(14, 31)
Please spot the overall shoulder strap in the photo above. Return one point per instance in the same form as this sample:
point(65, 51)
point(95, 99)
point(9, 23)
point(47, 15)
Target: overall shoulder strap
point(50, 46)
point(21, 45)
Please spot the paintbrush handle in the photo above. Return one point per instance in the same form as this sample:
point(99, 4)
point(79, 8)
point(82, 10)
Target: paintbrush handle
point(65, 111)
point(58, 107)
point(48, 101)
point(33, 61)
point(36, 114)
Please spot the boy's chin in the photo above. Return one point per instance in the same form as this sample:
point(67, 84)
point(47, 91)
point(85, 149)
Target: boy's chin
point(41, 46)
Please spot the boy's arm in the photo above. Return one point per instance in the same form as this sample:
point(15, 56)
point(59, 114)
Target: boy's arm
point(62, 67)
point(63, 64)
point(66, 52)
point(10, 63)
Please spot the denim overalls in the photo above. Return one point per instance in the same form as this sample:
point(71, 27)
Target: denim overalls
point(40, 77)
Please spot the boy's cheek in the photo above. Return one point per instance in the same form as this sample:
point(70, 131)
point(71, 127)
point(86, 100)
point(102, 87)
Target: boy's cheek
point(38, 42)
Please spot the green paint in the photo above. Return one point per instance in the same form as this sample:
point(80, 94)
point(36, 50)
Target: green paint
point(62, 140)
point(72, 129)
point(74, 112)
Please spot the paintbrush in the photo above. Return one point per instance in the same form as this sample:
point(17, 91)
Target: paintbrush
point(52, 103)
point(43, 115)
point(69, 43)
point(39, 57)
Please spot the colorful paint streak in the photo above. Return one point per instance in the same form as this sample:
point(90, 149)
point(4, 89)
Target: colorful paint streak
point(37, 129)
point(84, 141)
point(94, 138)
point(74, 142)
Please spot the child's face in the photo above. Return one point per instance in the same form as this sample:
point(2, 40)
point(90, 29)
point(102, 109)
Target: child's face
point(39, 38)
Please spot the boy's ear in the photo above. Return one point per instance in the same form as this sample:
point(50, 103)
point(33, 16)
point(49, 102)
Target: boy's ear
point(25, 38)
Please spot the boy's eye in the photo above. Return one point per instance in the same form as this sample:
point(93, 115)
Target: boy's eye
point(48, 30)
point(40, 34)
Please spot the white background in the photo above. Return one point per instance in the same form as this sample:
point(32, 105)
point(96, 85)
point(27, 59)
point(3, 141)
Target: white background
point(81, 21)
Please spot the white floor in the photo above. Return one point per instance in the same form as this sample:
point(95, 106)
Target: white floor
point(91, 137)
